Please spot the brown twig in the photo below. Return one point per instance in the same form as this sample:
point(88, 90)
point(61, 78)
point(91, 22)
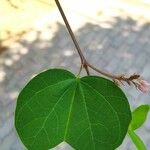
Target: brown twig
point(83, 60)
point(85, 64)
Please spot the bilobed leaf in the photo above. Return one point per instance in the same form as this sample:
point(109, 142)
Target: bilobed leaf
point(89, 113)
point(139, 116)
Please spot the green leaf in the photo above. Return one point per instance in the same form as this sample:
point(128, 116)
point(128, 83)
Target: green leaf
point(89, 113)
point(139, 116)
point(136, 140)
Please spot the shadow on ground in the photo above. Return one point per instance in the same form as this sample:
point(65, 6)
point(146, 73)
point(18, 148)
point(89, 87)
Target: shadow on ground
point(123, 47)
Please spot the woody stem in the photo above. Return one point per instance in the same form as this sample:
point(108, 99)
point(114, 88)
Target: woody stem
point(84, 63)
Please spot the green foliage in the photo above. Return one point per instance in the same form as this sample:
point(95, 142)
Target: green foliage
point(136, 140)
point(89, 113)
point(139, 116)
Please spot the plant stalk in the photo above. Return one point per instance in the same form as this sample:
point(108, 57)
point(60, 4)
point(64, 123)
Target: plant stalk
point(83, 60)
point(84, 63)
point(136, 140)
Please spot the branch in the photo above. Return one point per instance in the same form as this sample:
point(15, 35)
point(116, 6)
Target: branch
point(133, 79)
point(83, 60)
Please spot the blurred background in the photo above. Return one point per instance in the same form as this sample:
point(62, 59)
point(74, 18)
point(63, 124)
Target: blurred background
point(114, 35)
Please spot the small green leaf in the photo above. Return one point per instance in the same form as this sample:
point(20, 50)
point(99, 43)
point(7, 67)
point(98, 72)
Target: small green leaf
point(139, 116)
point(89, 113)
point(136, 140)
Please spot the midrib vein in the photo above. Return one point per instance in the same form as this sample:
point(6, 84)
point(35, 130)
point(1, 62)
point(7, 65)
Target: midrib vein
point(69, 115)
point(108, 104)
point(51, 110)
point(82, 93)
point(38, 92)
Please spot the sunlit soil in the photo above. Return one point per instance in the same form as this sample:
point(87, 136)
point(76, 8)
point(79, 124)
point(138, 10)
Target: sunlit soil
point(17, 16)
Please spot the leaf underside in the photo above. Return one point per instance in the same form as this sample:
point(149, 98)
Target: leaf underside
point(89, 113)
